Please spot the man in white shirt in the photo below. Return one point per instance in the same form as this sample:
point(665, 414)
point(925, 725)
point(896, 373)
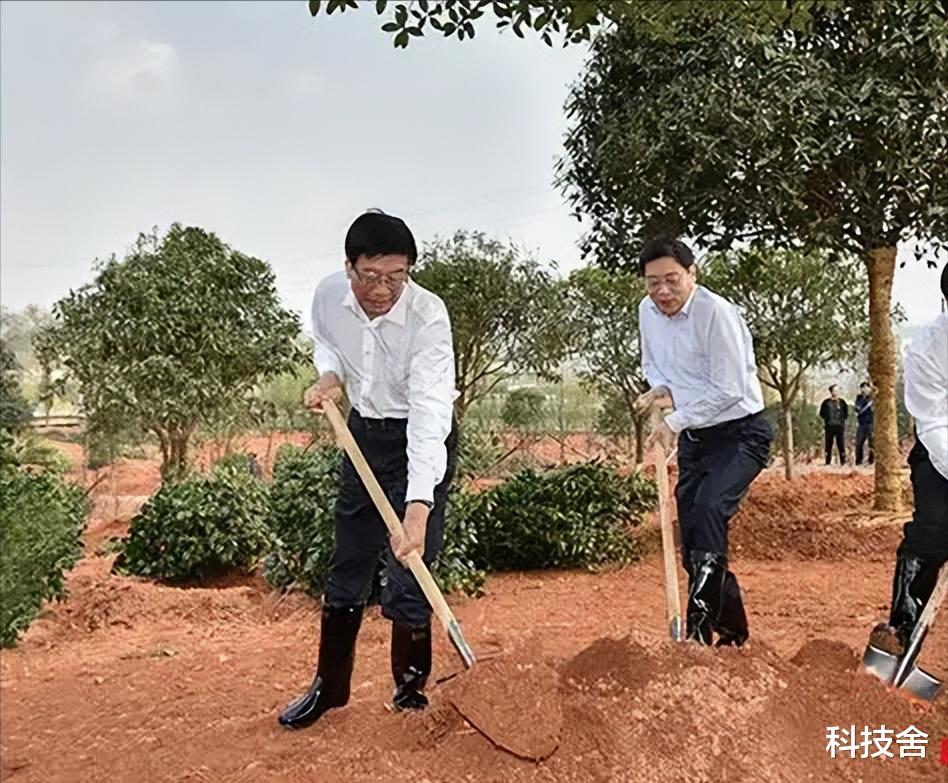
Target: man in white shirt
point(698, 356)
point(388, 342)
point(924, 547)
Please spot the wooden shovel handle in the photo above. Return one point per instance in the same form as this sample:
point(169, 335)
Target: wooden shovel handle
point(669, 559)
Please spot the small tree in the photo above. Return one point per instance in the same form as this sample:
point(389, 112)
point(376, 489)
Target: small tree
point(170, 336)
point(507, 312)
point(605, 324)
point(14, 409)
point(523, 409)
point(802, 310)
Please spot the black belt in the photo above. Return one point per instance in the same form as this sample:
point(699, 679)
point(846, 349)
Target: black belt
point(699, 433)
point(380, 424)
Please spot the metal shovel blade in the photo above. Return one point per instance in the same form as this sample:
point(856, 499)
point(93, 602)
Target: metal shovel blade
point(880, 663)
point(919, 683)
point(460, 644)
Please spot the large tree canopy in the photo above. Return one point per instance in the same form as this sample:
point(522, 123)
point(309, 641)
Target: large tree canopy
point(573, 20)
point(833, 137)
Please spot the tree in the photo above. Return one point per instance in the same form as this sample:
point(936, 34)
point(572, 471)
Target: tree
point(831, 138)
point(523, 408)
point(605, 322)
point(171, 335)
point(506, 311)
point(14, 409)
point(576, 20)
point(18, 328)
point(802, 310)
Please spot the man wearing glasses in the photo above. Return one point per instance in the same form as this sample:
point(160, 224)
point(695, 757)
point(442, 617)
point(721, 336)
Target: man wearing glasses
point(698, 357)
point(387, 341)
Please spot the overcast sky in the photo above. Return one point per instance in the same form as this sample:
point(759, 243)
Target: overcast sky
point(274, 130)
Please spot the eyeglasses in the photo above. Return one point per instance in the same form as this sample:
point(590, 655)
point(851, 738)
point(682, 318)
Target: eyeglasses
point(672, 280)
point(392, 280)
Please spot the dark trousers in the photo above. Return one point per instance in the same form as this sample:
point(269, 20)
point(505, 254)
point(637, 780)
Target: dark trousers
point(360, 534)
point(926, 535)
point(863, 437)
point(835, 434)
point(716, 466)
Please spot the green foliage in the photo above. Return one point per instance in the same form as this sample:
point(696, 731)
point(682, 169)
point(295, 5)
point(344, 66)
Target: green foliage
point(455, 569)
point(578, 516)
point(574, 20)
point(479, 451)
point(487, 287)
point(830, 137)
point(302, 498)
point(171, 336)
point(29, 451)
point(15, 412)
point(200, 527)
point(807, 428)
point(523, 408)
point(41, 526)
point(613, 417)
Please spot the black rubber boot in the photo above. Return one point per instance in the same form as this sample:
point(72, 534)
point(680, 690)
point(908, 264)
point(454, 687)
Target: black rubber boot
point(912, 585)
point(411, 665)
point(330, 688)
point(706, 572)
point(731, 624)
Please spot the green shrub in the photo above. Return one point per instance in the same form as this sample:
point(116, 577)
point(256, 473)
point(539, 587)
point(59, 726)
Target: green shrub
point(302, 497)
point(577, 516)
point(200, 527)
point(41, 522)
point(455, 569)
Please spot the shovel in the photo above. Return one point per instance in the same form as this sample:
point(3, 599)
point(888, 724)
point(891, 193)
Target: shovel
point(902, 672)
point(415, 564)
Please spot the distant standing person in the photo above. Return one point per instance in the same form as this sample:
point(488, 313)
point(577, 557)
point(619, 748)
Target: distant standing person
point(864, 419)
point(834, 411)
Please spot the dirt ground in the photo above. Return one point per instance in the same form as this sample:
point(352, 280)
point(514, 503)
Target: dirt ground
point(131, 681)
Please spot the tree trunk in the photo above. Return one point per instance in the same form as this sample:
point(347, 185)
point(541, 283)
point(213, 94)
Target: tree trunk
point(787, 438)
point(882, 369)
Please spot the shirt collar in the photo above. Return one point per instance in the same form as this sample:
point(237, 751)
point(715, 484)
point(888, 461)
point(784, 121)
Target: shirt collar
point(397, 315)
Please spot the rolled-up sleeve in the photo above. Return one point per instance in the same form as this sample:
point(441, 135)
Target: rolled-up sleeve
point(431, 396)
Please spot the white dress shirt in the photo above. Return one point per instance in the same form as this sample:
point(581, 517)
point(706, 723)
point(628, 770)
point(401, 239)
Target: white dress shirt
point(926, 389)
point(399, 365)
point(705, 356)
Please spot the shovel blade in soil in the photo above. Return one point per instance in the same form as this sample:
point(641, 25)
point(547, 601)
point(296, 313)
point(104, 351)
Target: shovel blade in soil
point(460, 644)
point(918, 683)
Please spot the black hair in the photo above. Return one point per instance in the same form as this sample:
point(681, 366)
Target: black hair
point(833, 386)
point(944, 282)
point(865, 384)
point(666, 247)
point(376, 234)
